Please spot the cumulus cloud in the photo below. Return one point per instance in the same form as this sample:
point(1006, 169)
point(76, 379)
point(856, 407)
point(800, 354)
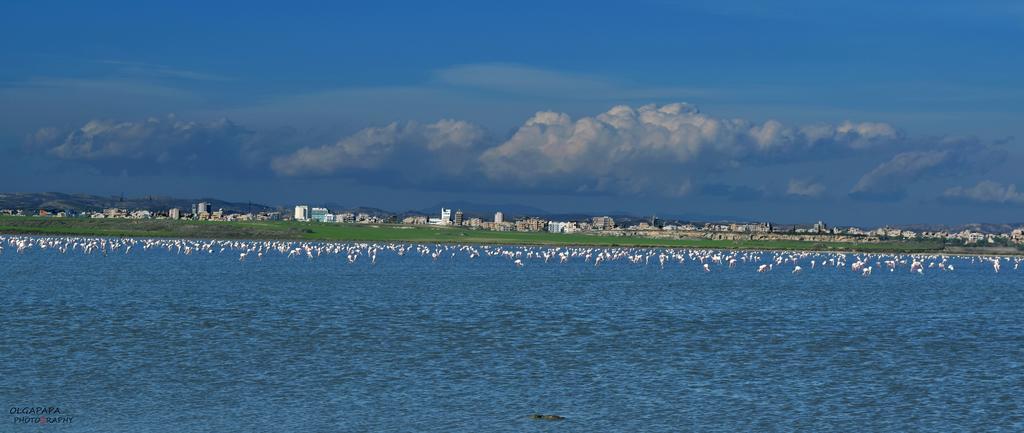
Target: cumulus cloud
point(152, 144)
point(888, 180)
point(651, 147)
point(950, 156)
point(986, 192)
point(671, 150)
point(444, 147)
point(804, 188)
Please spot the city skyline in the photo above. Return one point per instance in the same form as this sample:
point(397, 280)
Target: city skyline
point(972, 235)
point(672, 108)
point(493, 218)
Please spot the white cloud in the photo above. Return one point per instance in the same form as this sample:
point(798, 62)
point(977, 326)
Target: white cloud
point(105, 139)
point(948, 156)
point(444, 147)
point(987, 192)
point(864, 134)
point(154, 145)
point(805, 188)
point(670, 150)
point(889, 179)
point(654, 147)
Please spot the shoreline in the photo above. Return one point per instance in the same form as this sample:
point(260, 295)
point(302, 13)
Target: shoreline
point(322, 232)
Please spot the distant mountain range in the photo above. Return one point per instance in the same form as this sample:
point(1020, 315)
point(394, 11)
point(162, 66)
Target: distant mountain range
point(85, 202)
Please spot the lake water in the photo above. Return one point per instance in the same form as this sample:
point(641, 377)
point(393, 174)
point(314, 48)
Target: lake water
point(162, 341)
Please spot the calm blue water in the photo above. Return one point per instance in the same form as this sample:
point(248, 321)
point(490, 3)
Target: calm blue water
point(161, 342)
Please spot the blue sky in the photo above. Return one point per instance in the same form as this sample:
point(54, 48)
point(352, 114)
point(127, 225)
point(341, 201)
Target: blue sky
point(853, 112)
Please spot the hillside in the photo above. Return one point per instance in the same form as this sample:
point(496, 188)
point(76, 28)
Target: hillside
point(56, 201)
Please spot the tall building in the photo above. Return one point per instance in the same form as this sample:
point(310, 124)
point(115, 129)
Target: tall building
point(204, 207)
point(499, 217)
point(603, 223)
point(820, 227)
point(458, 217)
point(174, 213)
point(531, 225)
point(302, 213)
point(318, 214)
point(446, 216)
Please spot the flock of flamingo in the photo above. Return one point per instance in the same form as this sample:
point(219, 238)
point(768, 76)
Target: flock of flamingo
point(794, 262)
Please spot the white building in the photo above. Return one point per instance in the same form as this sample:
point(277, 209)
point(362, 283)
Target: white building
point(174, 213)
point(302, 213)
point(560, 227)
point(318, 214)
point(446, 216)
point(499, 217)
point(114, 212)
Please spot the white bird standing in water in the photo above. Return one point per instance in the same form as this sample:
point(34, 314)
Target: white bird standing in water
point(710, 261)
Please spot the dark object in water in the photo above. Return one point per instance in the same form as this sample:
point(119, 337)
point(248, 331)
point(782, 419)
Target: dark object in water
point(547, 417)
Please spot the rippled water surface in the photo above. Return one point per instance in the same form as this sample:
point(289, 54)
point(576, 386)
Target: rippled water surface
point(159, 341)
